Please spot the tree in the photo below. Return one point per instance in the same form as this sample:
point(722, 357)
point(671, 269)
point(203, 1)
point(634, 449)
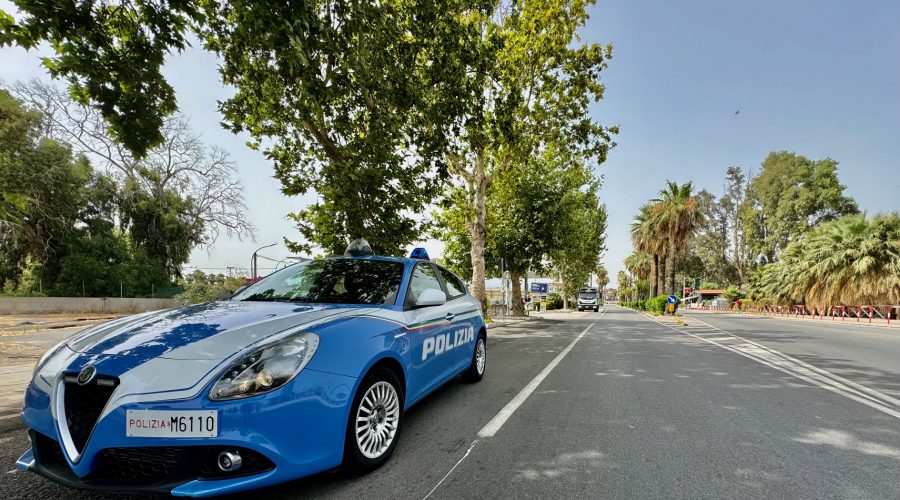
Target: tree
point(602, 276)
point(639, 265)
point(49, 184)
point(678, 215)
point(790, 195)
point(358, 100)
point(355, 100)
point(623, 283)
point(201, 287)
point(202, 177)
point(709, 253)
point(111, 53)
point(852, 260)
point(580, 240)
point(645, 239)
point(530, 86)
point(736, 184)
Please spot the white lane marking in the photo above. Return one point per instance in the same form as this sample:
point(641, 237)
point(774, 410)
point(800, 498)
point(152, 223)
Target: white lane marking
point(451, 470)
point(821, 378)
point(503, 415)
point(510, 408)
point(838, 378)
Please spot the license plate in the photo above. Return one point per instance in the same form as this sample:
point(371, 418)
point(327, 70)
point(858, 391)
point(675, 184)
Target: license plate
point(172, 424)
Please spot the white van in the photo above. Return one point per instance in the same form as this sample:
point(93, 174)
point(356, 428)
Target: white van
point(588, 298)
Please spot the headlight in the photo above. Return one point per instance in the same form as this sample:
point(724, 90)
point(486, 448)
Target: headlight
point(267, 369)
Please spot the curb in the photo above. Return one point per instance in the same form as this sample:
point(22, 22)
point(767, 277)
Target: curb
point(507, 322)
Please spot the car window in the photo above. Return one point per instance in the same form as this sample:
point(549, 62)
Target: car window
point(423, 277)
point(332, 281)
point(455, 288)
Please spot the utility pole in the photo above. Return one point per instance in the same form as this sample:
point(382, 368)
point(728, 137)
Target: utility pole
point(253, 268)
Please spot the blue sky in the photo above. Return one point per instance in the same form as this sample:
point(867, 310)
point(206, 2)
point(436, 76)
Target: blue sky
point(818, 77)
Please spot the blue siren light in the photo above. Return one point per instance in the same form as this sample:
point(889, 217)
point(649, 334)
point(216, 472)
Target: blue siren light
point(419, 253)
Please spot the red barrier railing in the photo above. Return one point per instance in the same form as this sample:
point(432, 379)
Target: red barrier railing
point(870, 313)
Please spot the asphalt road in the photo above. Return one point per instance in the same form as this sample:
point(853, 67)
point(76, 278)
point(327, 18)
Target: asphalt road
point(635, 408)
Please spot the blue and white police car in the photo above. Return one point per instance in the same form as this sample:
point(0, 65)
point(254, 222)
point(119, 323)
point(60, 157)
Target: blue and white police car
point(307, 369)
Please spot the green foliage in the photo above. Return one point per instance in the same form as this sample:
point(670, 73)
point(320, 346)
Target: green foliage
point(354, 100)
point(676, 217)
point(639, 264)
point(789, 196)
point(554, 301)
point(656, 306)
point(76, 231)
point(201, 287)
point(358, 101)
point(853, 260)
point(623, 280)
point(732, 293)
point(451, 226)
point(642, 288)
point(111, 54)
point(602, 276)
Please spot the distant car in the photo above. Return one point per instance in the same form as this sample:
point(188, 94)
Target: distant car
point(588, 298)
point(307, 369)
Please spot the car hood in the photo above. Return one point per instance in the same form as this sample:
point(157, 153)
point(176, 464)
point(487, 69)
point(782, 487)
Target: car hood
point(210, 331)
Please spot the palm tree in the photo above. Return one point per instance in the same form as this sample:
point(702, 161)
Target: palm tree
point(639, 264)
point(645, 238)
point(677, 216)
point(852, 260)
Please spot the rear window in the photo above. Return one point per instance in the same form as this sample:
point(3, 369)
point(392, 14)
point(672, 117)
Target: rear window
point(455, 287)
point(333, 281)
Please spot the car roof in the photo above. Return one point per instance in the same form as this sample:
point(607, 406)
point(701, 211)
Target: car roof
point(402, 260)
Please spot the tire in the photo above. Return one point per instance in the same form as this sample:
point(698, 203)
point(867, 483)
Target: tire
point(383, 396)
point(476, 369)
point(596, 309)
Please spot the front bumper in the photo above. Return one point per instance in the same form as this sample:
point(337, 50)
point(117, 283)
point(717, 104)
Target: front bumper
point(290, 433)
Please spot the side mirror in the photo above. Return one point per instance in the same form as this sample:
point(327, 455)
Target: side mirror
point(430, 297)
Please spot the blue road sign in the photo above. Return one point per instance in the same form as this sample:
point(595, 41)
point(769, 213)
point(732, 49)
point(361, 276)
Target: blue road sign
point(672, 299)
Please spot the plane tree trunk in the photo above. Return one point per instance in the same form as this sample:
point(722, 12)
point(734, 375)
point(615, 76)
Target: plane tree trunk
point(479, 181)
point(517, 308)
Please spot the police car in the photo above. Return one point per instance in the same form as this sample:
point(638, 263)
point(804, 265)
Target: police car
point(307, 369)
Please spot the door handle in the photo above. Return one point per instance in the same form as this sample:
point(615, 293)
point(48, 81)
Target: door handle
point(450, 316)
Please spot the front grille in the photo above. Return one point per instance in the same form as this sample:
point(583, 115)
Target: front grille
point(83, 404)
point(48, 451)
point(146, 468)
point(138, 465)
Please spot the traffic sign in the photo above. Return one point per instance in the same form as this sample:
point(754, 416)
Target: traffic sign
point(672, 299)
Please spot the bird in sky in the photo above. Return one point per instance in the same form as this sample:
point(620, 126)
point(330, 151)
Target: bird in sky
point(737, 112)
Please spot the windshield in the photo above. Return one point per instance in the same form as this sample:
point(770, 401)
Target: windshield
point(587, 295)
point(334, 281)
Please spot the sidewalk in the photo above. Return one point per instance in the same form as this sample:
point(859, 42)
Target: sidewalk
point(556, 314)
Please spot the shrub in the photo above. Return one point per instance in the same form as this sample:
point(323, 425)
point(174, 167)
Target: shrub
point(554, 301)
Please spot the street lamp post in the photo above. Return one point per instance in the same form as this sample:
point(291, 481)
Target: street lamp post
point(253, 261)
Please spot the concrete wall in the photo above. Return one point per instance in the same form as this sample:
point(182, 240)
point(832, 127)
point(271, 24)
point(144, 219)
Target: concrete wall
point(48, 305)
